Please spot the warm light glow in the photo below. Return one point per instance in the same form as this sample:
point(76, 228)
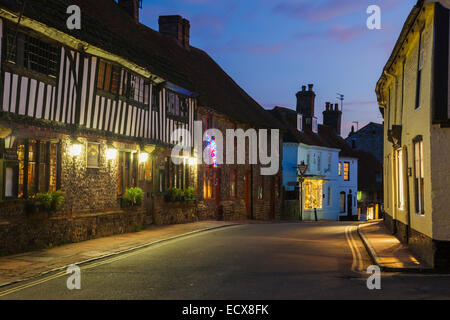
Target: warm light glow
point(143, 157)
point(192, 161)
point(313, 194)
point(76, 149)
point(9, 142)
point(211, 144)
point(111, 154)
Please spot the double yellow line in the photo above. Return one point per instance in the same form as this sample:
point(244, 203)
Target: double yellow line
point(357, 265)
point(61, 274)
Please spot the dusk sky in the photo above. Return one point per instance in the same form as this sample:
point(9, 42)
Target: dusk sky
point(272, 47)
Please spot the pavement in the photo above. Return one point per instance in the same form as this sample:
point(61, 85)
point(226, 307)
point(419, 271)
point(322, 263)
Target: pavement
point(387, 251)
point(25, 266)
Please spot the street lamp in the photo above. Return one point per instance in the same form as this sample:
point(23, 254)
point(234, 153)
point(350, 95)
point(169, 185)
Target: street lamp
point(302, 168)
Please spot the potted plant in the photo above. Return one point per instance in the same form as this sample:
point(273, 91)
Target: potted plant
point(189, 194)
point(174, 194)
point(46, 202)
point(133, 197)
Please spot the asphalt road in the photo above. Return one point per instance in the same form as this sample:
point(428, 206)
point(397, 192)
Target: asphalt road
point(323, 260)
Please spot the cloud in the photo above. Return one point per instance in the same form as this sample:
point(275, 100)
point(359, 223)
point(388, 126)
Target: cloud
point(207, 24)
point(326, 10)
point(337, 32)
point(239, 46)
point(345, 33)
point(319, 11)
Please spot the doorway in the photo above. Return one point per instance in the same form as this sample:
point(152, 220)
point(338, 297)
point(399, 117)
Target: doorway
point(350, 205)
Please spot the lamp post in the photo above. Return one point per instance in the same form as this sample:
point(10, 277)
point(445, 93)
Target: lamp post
point(301, 170)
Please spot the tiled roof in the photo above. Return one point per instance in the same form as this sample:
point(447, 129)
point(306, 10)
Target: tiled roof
point(326, 137)
point(106, 25)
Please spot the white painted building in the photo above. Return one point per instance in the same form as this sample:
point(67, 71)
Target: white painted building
point(330, 184)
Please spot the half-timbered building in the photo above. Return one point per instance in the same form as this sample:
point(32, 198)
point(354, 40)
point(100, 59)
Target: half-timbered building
point(90, 112)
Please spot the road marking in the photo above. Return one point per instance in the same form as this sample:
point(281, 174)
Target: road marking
point(357, 265)
point(32, 284)
point(99, 263)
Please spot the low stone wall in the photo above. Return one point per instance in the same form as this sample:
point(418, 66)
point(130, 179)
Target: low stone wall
point(39, 231)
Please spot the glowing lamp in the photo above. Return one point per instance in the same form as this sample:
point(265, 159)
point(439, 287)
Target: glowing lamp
point(143, 157)
point(76, 149)
point(9, 141)
point(111, 153)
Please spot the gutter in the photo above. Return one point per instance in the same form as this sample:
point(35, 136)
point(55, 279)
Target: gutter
point(398, 45)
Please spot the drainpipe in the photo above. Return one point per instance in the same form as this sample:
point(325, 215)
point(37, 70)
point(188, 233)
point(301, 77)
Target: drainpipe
point(408, 205)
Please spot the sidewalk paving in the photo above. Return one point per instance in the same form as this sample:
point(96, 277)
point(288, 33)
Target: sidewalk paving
point(387, 251)
point(31, 264)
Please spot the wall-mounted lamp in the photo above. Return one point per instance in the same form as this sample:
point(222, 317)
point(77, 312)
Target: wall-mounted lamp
point(76, 148)
point(9, 141)
point(111, 152)
point(143, 157)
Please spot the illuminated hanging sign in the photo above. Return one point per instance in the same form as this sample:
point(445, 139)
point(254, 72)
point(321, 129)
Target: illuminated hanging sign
point(211, 144)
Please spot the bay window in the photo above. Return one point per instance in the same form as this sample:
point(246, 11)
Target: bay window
point(35, 169)
point(313, 194)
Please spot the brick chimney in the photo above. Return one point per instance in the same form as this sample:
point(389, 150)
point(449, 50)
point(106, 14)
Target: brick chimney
point(176, 27)
point(131, 7)
point(305, 101)
point(332, 117)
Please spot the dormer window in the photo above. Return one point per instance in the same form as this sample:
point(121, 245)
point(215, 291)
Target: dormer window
point(177, 105)
point(32, 54)
point(117, 81)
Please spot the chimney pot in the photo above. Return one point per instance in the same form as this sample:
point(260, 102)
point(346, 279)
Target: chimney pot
point(336, 107)
point(176, 27)
point(306, 101)
point(310, 87)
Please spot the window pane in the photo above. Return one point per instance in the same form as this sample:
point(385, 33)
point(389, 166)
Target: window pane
point(40, 56)
point(32, 168)
point(53, 166)
point(313, 194)
point(108, 75)
point(21, 158)
point(115, 82)
point(346, 171)
point(101, 74)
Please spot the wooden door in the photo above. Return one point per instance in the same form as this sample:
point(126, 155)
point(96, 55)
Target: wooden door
point(350, 205)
